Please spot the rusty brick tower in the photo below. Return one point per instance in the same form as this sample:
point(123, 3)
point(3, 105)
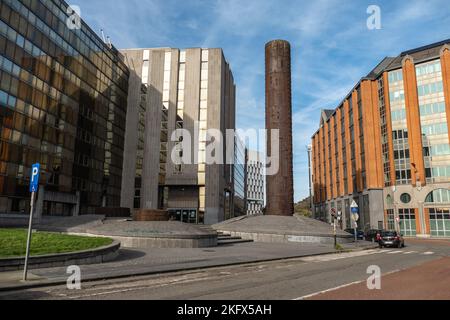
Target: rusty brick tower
point(280, 187)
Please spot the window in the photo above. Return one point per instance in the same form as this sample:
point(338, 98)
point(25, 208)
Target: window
point(407, 222)
point(438, 196)
point(405, 198)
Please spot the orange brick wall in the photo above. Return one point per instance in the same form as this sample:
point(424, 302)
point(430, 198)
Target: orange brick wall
point(413, 119)
point(445, 63)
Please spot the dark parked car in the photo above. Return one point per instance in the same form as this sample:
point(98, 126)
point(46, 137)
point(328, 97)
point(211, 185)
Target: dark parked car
point(359, 233)
point(391, 239)
point(371, 235)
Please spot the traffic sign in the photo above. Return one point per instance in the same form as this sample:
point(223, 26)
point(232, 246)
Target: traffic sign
point(34, 181)
point(34, 186)
point(354, 204)
point(355, 217)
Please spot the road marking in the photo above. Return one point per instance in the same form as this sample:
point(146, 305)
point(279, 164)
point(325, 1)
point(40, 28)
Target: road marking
point(395, 252)
point(339, 287)
point(410, 252)
point(428, 253)
point(333, 257)
point(328, 290)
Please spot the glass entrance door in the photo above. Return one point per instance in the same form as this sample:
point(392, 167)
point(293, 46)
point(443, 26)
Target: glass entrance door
point(440, 222)
point(408, 226)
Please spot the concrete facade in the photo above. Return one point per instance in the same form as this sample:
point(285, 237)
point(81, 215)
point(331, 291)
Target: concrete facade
point(387, 147)
point(191, 89)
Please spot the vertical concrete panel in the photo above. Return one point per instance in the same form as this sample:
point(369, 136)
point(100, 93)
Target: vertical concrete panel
point(134, 61)
point(217, 98)
point(173, 99)
point(376, 207)
point(189, 175)
point(150, 174)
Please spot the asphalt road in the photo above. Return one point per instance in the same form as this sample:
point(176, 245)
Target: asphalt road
point(423, 267)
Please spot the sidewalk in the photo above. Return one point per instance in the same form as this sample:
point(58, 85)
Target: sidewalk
point(139, 262)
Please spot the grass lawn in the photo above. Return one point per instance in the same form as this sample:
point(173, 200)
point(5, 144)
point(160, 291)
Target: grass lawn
point(13, 243)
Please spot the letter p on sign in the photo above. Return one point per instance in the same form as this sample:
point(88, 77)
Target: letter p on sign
point(34, 181)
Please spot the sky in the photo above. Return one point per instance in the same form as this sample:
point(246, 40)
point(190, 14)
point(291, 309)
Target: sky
point(332, 47)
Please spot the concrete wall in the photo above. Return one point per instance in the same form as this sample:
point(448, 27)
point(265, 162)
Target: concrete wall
point(221, 116)
point(133, 59)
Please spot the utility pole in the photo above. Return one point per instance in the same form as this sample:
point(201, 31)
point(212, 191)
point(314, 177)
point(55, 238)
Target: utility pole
point(309, 150)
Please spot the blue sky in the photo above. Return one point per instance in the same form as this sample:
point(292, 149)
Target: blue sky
point(332, 48)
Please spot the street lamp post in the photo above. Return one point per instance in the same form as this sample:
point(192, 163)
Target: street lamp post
point(396, 214)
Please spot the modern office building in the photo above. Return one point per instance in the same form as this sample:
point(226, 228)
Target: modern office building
point(255, 183)
point(174, 89)
point(63, 98)
point(386, 147)
point(239, 179)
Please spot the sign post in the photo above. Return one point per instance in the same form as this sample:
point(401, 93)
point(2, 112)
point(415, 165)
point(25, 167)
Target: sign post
point(334, 217)
point(34, 186)
point(355, 217)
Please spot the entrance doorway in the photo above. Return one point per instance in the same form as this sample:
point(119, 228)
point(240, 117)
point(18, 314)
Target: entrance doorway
point(440, 222)
point(408, 225)
point(184, 215)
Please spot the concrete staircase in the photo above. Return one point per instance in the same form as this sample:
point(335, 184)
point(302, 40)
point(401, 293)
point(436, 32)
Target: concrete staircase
point(225, 239)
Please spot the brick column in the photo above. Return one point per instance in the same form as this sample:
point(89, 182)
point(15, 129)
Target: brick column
point(387, 102)
point(413, 119)
point(445, 66)
point(349, 151)
point(359, 181)
point(333, 159)
point(340, 156)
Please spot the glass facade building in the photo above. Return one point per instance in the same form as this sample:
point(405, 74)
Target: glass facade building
point(240, 178)
point(63, 100)
point(400, 165)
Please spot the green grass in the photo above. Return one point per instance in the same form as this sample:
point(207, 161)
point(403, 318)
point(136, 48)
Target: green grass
point(13, 243)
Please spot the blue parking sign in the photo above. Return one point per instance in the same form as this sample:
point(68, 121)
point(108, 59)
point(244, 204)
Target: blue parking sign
point(34, 181)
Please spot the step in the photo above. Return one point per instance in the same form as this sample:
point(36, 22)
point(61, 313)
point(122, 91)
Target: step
point(227, 237)
point(231, 242)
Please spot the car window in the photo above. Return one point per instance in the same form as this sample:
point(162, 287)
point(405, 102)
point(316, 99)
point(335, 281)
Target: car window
point(389, 234)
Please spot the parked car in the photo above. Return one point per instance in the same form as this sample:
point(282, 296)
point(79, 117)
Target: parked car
point(371, 235)
point(359, 233)
point(391, 239)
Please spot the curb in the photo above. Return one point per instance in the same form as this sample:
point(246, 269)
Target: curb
point(89, 256)
point(49, 283)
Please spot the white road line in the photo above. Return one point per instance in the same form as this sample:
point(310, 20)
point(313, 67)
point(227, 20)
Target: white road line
point(339, 287)
point(340, 256)
point(428, 253)
point(395, 252)
point(329, 290)
point(410, 252)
